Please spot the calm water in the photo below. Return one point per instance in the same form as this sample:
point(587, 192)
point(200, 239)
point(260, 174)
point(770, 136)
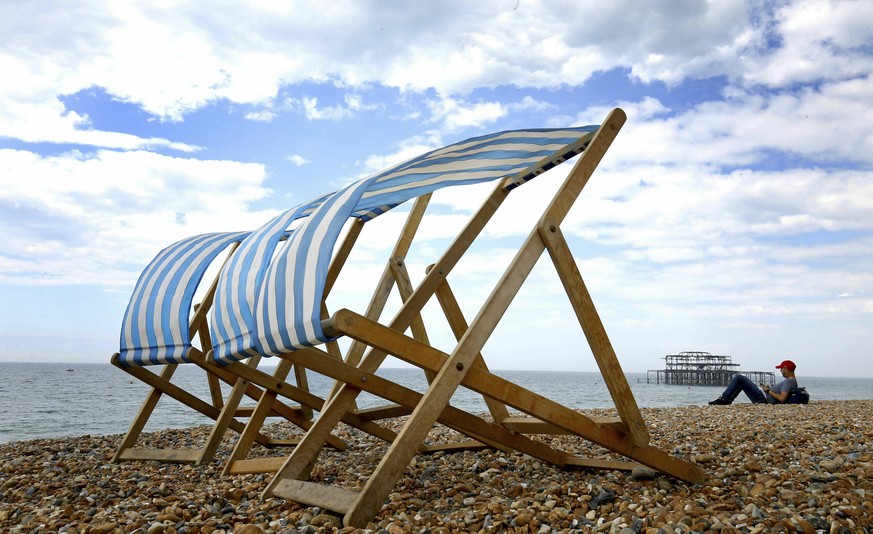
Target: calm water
point(39, 400)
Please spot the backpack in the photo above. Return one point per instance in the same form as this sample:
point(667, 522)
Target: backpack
point(797, 396)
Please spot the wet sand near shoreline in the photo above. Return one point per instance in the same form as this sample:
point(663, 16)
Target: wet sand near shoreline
point(769, 469)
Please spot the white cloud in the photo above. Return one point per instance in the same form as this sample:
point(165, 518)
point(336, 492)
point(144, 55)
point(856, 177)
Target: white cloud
point(529, 103)
point(298, 160)
point(814, 33)
point(263, 115)
point(352, 105)
point(456, 114)
point(83, 218)
point(828, 124)
point(313, 112)
point(36, 122)
point(198, 55)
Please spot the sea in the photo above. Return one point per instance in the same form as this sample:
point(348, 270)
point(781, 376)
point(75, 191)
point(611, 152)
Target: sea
point(51, 400)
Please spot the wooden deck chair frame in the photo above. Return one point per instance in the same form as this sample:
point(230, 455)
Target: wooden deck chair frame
point(463, 366)
point(394, 274)
point(223, 411)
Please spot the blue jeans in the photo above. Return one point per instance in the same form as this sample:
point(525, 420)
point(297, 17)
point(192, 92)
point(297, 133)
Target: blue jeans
point(741, 383)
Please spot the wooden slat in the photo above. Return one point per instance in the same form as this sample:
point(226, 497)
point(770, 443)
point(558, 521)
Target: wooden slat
point(179, 456)
point(531, 425)
point(247, 411)
point(303, 383)
point(592, 463)
point(254, 465)
point(312, 494)
point(454, 446)
point(405, 288)
point(383, 412)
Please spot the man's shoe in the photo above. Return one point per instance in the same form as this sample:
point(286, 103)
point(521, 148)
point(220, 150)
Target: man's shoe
point(719, 401)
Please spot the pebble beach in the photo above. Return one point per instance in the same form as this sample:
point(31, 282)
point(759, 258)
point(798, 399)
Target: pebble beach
point(799, 468)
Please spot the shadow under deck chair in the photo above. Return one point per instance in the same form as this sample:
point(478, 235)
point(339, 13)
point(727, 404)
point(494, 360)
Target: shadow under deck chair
point(289, 322)
point(156, 331)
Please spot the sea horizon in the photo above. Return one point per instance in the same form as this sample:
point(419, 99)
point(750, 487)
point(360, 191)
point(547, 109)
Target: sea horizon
point(54, 400)
point(268, 366)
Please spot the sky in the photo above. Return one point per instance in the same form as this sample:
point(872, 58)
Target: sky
point(732, 215)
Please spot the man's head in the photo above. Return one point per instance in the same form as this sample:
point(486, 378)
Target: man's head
point(787, 367)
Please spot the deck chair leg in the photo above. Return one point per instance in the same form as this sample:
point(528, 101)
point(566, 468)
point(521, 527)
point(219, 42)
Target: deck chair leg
point(397, 459)
point(303, 383)
point(601, 347)
point(202, 329)
point(256, 421)
point(404, 287)
point(299, 464)
point(458, 324)
point(237, 392)
point(145, 412)
point(215, 390)
point(186, 398)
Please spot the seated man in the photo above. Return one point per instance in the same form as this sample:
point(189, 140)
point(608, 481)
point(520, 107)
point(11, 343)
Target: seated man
point(778, 394)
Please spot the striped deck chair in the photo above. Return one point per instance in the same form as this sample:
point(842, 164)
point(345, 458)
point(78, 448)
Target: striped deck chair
point(233, 324)
point(236, 318)
point(156, 331)
point(289, 321)
point(232, 316)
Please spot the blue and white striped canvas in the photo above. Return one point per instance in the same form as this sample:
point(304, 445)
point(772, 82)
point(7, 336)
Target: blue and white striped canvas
point(288, 304)
point(155, 328)
point(294, 285)
point(232, 321)
point(521, 154)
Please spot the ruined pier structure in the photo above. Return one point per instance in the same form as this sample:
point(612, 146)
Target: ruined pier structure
point(703, 369)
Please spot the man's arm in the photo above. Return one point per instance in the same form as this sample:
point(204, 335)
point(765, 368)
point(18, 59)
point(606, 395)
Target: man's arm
point(780, 396)
point(777, 393)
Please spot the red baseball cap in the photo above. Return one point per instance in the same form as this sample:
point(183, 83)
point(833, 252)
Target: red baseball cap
point(787, 364)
